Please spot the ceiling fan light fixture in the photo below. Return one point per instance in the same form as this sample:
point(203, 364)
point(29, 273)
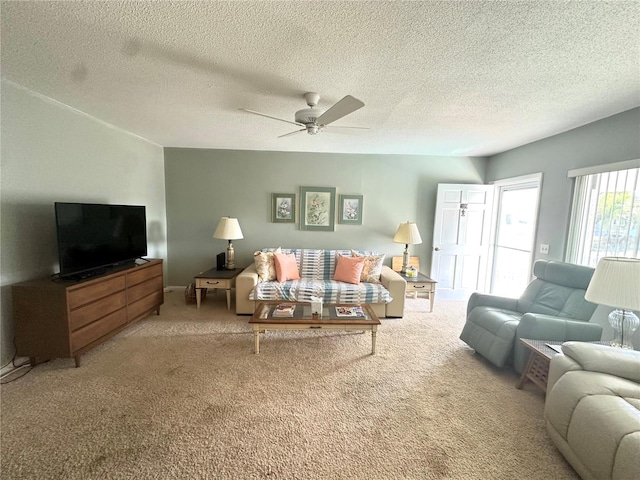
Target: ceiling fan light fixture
point(314, 121)
point(307, 115)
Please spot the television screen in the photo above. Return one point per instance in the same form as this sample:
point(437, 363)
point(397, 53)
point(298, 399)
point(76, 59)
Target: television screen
point(91, 236)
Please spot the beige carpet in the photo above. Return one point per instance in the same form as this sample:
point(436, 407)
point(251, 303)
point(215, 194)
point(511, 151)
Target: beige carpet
point(183, 396)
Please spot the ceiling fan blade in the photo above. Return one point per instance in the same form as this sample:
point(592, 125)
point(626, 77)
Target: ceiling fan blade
point(292, 133)
point(344, 107)
point(345, 130)
point(269, 116)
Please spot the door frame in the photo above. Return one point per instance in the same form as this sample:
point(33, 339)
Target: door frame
point(522, 181)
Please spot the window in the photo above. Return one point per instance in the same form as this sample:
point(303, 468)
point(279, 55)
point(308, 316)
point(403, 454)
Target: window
point(605, 216)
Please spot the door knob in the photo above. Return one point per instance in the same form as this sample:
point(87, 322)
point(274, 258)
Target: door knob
point(437, 249)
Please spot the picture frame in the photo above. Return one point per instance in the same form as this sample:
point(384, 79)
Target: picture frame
point(317, 208)
point(350, 209)
point(283, 208)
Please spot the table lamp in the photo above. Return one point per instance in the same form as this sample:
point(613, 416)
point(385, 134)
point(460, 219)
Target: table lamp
point(616, 283)
point(229, 229)
point(408, 234)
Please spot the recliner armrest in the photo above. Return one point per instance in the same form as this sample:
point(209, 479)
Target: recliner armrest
point(537, 326)
point(484, 299)
point(605, 359)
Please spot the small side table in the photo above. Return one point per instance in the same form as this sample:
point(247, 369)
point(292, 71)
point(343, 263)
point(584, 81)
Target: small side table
point(537, 368)
point(214, 278)
point(421, 284)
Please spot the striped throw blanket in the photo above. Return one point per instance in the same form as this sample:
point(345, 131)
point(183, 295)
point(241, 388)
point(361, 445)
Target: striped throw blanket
point(317, 268)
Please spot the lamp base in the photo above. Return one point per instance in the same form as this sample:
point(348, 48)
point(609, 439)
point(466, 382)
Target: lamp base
point(624, 324)
point(230, 265)
point(405, 260)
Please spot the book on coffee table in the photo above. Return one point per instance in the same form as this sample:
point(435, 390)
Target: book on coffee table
point(284, 310)
point(355, 311)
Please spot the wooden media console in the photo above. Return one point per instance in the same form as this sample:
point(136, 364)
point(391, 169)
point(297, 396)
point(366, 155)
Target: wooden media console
point(64, 319)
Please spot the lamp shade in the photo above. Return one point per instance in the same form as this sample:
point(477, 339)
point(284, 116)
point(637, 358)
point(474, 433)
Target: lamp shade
point(408, 234)
point(616, 283)
point(228, 229)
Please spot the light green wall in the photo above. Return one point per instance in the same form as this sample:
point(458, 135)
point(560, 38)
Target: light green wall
point(610, 140)
point(203, 185)
point(51, 153)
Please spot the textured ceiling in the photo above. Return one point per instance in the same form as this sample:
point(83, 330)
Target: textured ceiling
point(439, 78)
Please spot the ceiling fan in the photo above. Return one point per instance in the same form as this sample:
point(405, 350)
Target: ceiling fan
point(315, 121)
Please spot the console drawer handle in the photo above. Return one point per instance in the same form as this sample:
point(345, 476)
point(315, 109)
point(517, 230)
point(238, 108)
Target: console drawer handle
point(315, 326)
point(212, 283)
point(419, 286)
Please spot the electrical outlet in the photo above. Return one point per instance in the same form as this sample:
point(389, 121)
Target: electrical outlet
point(544, 248)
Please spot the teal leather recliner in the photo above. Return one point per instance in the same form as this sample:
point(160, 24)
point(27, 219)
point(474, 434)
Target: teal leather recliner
point(551, 308)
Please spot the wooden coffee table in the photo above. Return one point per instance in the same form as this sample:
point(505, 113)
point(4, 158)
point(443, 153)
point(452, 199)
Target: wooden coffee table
point(263, 320)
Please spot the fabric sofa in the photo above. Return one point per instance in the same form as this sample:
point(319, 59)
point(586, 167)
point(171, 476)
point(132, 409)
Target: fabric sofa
point(552, 307)
point(592, 410)
point(317, 269)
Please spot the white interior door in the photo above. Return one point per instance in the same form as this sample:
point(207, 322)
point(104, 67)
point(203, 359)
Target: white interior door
point(461, 236)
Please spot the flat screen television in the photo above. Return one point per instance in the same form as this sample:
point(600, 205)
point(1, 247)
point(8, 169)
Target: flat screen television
point(93, 236)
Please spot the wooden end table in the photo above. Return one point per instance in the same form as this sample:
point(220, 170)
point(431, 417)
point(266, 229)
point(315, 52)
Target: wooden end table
point(537, 368)
point(263, 320)
point(214, 278)
point(421, 284)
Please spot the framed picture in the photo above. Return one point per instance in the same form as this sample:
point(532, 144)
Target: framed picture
point(283, 207)
point(350, 210)
point(317, 208)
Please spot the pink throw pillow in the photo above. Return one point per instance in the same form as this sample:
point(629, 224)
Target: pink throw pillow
point(286, 267)
point(348, 269)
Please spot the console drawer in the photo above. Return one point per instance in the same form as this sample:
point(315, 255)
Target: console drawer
point(87, 334)
point(87, 294)
point(143, 289)
point(145, 304)
point(88, 313)
point(140, 274)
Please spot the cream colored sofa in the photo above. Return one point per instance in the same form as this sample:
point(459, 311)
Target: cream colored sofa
point(391, 282)
point(592, 410)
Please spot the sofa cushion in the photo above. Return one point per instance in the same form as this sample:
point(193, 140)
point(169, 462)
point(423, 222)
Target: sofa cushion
point(348, 269)
point(372, 267)
point(265, 265)
point(286, 267)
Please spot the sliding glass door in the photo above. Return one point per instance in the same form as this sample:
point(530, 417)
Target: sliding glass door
point(515, 231)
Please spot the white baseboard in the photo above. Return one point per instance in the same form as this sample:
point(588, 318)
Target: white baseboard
point(174, 288)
